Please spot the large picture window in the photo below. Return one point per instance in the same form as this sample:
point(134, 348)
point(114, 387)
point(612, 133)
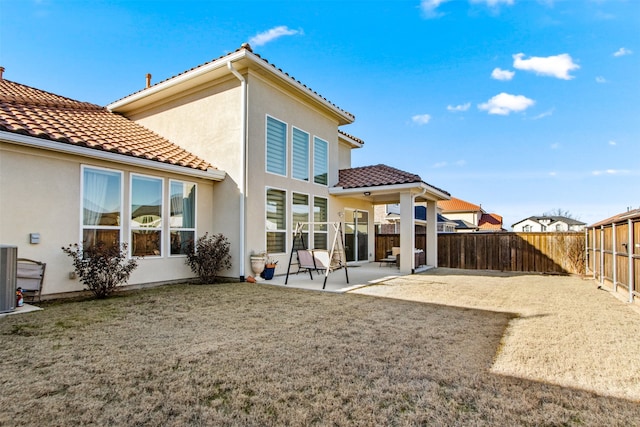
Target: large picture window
point(182, 220)
point(276, 146)
point(320, 161)
point(300, 155)
point(276, 221)
point(146, 216)
point(101, 207)
point(320, 216)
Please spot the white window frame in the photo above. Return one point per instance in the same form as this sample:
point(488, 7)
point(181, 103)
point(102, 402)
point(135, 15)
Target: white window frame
point(195, 216)
point(307, 229)
point(163, 211)
point(286, 229)
point(293, 152)
point(266, 146)
point(83, 168)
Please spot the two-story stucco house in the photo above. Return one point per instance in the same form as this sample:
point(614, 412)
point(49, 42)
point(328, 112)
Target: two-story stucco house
point(547, 223)
point(279, 157)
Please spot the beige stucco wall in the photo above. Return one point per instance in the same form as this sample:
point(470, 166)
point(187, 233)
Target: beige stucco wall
point(40, 193)
point(207, 122)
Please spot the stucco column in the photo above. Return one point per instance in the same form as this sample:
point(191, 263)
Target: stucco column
point(432, 233)
point(407, 233)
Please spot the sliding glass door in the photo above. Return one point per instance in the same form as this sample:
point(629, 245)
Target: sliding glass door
point(356, 230)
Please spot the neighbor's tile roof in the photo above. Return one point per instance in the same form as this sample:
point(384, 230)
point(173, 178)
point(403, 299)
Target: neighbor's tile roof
point(376, 176)
point(34, 112)
point(457, 205)
point(490, 222)
point(632, 214)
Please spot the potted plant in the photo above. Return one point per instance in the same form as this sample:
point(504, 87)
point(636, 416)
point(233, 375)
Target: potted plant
point(258, 261)
point(269, 269)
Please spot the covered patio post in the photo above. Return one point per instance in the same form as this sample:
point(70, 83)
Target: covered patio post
point(407, 232)
point(432, 234)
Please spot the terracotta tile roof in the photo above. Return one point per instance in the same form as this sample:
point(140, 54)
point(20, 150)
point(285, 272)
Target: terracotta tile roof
point(247, 47)
point(376, 176)
point(457, 205)
point(34, 112)
point(358, 140)
point(490, 222)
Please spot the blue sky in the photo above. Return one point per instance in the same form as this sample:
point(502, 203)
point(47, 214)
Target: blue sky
point(522, 106)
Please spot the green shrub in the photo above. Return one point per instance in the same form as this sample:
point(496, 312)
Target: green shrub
point(100, 267)
point(208, 256)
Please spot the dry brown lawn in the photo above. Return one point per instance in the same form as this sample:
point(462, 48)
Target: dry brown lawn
point(256, 355)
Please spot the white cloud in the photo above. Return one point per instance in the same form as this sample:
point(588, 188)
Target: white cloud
point(493, 3)
point(611, 172)
point(421, 119)
point(461, 163)
point(622, 52)
point(440, 164)
point(600, 79)
point(429, 7)
point(612, 142)
point(274, 33)
point(505, 103)
point(500, 74)
point(457, 108)
point(555, 146)
point(557, 66)
point(553, 173)
point(543, 115)
point(443, 164)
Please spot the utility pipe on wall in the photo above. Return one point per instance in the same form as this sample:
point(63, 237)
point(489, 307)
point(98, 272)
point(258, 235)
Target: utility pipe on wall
point(243, 184)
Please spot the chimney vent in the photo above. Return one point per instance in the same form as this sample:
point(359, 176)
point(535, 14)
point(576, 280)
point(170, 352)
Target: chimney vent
point(148, 80)
point(1, 72)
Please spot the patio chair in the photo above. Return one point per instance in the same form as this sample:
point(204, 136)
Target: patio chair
point(307, 261)
point(29, 277)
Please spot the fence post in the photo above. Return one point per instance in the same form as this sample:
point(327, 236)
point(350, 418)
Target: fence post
point(602, 254)
point(630, 252)
point(615, 261)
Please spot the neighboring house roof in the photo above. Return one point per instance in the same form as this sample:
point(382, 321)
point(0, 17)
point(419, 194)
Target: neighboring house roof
point(36, 113)
point(624, 216)
point(490, 222)
point(209, 70)
point(461, 224)
point(457, 205)
point(551, 220)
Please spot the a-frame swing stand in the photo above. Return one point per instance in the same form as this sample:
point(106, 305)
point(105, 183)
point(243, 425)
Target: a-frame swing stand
point(313, 259)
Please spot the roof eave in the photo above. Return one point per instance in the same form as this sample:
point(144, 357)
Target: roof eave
point(34, 142)
point(215, 69)
point(420, 189)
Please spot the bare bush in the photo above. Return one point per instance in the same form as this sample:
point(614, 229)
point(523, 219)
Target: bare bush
point(101, 268)
point(209, 256)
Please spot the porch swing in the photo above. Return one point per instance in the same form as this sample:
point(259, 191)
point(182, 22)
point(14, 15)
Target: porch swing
point(318, 259)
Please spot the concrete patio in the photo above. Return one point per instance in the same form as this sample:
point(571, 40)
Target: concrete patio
point(360, 275)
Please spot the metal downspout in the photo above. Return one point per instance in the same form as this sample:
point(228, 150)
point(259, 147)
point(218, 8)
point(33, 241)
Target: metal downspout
point(243, 184)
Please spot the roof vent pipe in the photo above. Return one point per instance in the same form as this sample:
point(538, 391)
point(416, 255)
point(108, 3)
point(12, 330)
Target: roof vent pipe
point(1, 72)
point(148, 80)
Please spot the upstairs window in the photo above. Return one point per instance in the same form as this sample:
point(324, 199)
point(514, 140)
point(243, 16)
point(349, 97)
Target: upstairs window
point(300, 155)
point(320, 161)
point(146, 216)
point(276, 146)
point(101, 207)
point(182, 220)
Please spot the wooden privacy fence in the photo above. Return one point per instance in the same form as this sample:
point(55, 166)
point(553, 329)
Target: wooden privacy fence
point(613, 253)
point(526, 252)
point(562, 253)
